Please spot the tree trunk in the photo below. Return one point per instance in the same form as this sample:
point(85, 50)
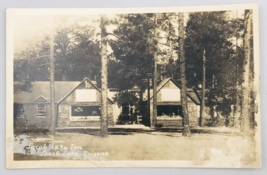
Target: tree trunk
point(52, 86)
point(201, 120)
point(248, 155)
point(237, 103)
point(155, 112)
point(237, 107)
point(148, 98)
point(186, 129)
point(251, 77)
point(104, 83)
point(246, 94)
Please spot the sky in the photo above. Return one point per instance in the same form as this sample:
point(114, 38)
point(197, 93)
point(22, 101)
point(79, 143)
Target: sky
point(28, 29)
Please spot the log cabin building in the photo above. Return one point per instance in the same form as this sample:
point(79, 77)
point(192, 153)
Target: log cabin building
point(169, 109)
point(78, 105)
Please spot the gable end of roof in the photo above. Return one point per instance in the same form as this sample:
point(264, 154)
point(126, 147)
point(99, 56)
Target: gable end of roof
point(78, 86)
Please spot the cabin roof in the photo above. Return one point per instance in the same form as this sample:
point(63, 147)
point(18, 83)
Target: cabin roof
point(42, 89)
point(190, 92)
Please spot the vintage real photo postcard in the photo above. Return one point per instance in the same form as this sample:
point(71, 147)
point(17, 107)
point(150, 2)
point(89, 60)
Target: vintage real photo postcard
point(133, 87)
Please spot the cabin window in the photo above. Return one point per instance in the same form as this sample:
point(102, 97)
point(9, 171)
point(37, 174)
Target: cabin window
point(169, 110)
point(85, 111)
point(41, 110)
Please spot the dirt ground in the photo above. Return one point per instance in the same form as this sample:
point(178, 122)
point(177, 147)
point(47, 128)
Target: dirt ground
point(128, 144)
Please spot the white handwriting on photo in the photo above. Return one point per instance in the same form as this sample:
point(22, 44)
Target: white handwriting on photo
point(61, 151)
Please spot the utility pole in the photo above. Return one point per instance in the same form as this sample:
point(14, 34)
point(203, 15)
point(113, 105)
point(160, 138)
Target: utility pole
point(186, 129)
point(52, 85)
point(155, 113)
point(104, 83)
point(203, 90)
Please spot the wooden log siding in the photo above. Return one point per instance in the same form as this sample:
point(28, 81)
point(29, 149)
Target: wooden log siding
point(64, 114)
point(64, 109)
point(177, 122)
point(192, 109)
point(31, 121)
point(193, 114)
point(170, 122)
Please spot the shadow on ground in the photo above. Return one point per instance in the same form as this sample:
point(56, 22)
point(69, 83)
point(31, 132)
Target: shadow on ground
point(131, 131)
point(111, 131)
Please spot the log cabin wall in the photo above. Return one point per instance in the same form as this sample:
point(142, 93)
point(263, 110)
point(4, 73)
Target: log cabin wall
point(26, 117)
point(65, 118)
point(173, 98)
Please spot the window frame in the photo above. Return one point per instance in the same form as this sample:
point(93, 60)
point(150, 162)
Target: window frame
point(42, 110)
point(84, 118)
point(170, 109)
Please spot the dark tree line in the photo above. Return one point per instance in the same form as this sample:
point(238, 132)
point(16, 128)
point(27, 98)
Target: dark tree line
point(77, 54)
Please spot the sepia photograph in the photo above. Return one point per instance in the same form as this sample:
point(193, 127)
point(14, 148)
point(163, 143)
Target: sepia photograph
point(133, 87)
